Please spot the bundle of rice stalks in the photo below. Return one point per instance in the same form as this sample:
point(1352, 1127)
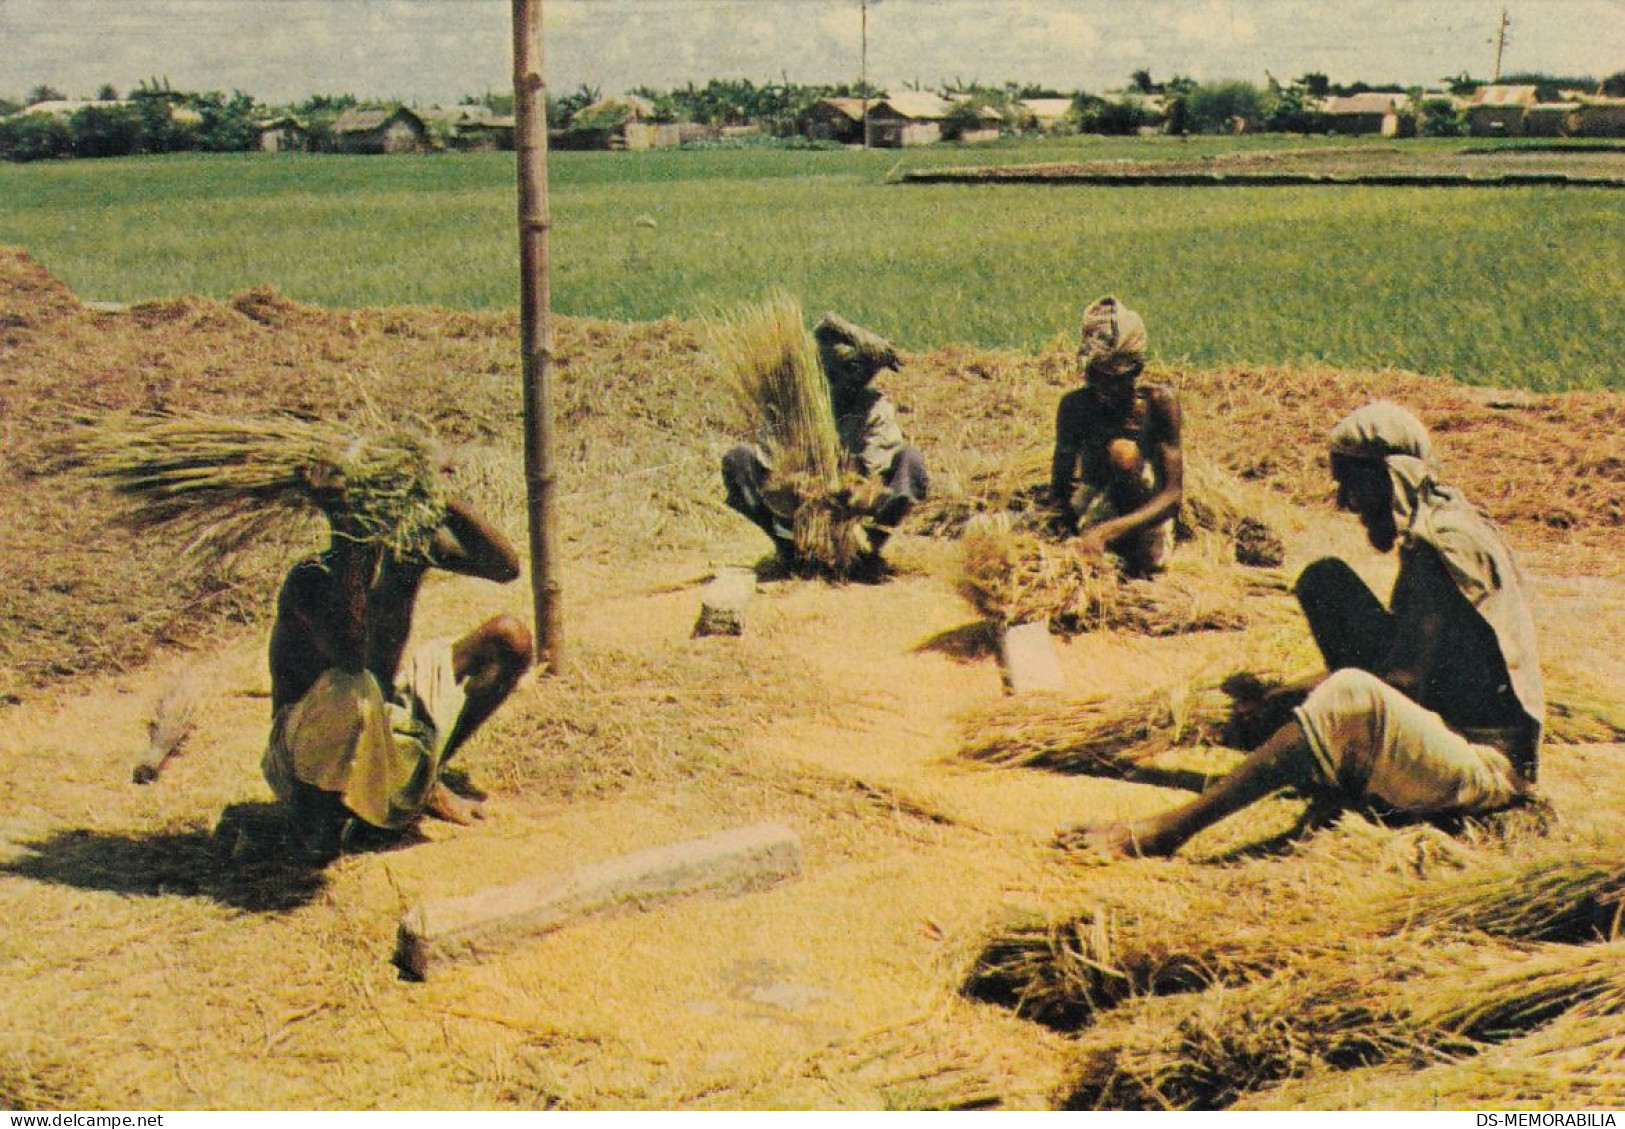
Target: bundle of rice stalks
point(226, 484)
point(1391, 1003)
point(1186, 930)
point(770, 364)
point(1099, 734)
point(1014, 577)
point(1065, 972)
point(1575, 1062)
point(828, 525)
point(1569, 900)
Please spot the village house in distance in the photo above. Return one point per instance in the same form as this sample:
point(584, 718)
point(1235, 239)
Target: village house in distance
point(739, 113)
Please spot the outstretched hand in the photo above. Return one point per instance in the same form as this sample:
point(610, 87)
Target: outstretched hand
point(1091, 542)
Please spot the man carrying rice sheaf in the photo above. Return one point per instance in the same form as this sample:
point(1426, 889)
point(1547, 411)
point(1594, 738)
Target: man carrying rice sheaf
point(358, 734)
point(1434, 705)
point(866, 420)
point(1117, 476)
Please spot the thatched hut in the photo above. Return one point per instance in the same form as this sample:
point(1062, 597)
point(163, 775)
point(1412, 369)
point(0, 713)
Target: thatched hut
point(834, 119)
point(1046, 115)
point(912, 118)
point(1498, 111)
point(286, 134)
point(1374, 112)
point(1600, 117)
point(381, 131)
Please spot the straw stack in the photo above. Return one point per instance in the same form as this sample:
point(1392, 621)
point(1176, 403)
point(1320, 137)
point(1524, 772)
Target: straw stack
point(770, 364)
point(1014, 577)
point(225, 484)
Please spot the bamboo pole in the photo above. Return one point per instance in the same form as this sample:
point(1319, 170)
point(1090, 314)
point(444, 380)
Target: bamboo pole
point(863, 73)
point(536, 322)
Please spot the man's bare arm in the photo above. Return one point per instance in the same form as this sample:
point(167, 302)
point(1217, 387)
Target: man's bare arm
point(1064, 462)
point(1170, 456)
point(468, 544)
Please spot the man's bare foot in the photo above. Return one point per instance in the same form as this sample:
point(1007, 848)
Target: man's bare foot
point(1107, 840)
point(449, 806)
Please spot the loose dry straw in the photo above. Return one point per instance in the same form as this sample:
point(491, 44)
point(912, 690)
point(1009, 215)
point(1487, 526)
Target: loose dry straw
point(770, 364)
point(1215, 501)
point(772, 369)
point(1101, 733)
point(1395, 1000)
point(1558, 900)
point(1017, 577)
point(226, 484)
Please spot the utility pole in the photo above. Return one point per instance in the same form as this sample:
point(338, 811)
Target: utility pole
point(863, 73)
point(1501, 42)
point(536, 323)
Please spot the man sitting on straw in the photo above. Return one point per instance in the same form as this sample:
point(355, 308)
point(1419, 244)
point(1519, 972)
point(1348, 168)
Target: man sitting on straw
point(1433, 705)
point(866, 420)
point(1118, 472)
point(354, 733)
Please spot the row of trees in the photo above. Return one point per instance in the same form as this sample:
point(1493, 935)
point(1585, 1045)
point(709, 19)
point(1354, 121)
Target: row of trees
point(157, 119)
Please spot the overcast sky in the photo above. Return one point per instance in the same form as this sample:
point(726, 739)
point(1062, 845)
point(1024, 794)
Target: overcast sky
point(437, 50)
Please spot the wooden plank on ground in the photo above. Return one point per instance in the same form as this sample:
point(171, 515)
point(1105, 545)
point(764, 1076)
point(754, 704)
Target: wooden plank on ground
point(1028, 656)
point(497, 919)
point(724, 602)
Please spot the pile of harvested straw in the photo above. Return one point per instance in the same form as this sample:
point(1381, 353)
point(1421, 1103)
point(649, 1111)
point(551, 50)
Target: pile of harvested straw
point(770, 364)
point(1065, 972)
point(1017, 484)
point(1099, 734)
point(1215, 502)
point(226, 484)
point(1015, 577)
point(1572, 900)
point(1392, 1002)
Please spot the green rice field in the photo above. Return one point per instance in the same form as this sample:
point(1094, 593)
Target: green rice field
point(1515, 286)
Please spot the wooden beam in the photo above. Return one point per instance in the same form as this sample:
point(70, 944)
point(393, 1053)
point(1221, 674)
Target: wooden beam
point(497, 919)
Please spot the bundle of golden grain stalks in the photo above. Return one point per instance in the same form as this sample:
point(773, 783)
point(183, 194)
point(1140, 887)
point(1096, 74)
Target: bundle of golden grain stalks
point(225, 484)
point(1392, 1001)
point(1099, 734)
point(1215, 502)
point(770, 364)
point(1015, 576)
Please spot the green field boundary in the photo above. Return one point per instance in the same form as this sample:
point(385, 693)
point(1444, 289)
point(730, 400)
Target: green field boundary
point(1258, 180)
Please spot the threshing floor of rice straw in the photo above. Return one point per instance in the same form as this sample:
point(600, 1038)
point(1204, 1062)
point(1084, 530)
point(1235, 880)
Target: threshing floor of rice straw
point(140, 970)
point(148, 980)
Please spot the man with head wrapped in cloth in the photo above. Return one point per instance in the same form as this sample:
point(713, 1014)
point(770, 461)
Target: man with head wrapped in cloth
point(866, 420)
point(1433, 705)
point(1118, 473)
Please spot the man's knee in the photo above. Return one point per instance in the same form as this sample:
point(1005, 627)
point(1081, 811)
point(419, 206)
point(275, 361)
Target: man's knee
point(908, 474)
point(739, 465)
point(1125, 459)
point(512, 640)
point(1349, 690)
point(497, 652)
point(1326, 581)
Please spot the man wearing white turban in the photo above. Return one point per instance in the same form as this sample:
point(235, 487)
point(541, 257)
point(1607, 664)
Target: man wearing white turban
point(1434, 704)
